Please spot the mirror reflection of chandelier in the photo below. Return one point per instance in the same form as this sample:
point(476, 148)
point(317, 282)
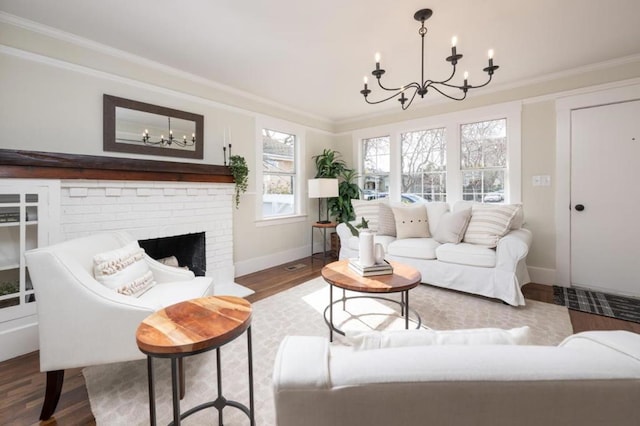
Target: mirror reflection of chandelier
point(146, 139)
point(444, 87)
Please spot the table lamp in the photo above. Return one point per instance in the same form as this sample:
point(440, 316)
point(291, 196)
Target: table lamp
point(323, 188)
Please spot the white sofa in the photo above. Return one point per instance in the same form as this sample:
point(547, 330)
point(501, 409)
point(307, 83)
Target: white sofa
point(492, 272)
point(591, 378)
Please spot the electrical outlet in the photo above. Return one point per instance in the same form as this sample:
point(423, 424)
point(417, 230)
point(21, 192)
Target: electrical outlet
point(535, 181)
point(545, 180)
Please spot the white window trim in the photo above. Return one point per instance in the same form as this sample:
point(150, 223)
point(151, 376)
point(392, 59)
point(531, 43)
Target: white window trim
point(512, 111)
point(264, 122)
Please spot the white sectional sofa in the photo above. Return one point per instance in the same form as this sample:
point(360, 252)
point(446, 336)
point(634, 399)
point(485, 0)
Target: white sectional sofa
point(497, 272)
point(591, 378)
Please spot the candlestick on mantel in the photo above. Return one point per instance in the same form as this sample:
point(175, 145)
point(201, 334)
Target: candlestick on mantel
point(224, 152)
point(229, 151)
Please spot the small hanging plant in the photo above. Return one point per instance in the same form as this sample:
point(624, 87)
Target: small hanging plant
point(240, 172)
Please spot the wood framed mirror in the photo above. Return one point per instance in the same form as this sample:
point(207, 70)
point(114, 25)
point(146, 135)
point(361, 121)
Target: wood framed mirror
point(141, 128)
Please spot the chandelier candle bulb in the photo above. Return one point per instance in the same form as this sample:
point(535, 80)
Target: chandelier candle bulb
point(377, 57)
point(454, 42)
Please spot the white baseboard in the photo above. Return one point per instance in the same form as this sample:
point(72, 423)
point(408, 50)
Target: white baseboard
point(542, 275)
point(259, 263)
point(19, 340)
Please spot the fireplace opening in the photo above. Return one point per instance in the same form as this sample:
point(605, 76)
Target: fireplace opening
point(188, 249)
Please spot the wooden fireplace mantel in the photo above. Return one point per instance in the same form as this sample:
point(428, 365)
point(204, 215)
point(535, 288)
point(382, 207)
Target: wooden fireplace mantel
point(51, 165)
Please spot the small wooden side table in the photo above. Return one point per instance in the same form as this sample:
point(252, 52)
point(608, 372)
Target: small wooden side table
point(323, 227)
point(190, 328)
point(403, 279)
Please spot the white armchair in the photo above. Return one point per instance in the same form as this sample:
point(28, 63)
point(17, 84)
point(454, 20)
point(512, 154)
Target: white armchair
point(81, 322)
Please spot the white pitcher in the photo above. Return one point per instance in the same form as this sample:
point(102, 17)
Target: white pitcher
point(365, 246)
point(378, 253)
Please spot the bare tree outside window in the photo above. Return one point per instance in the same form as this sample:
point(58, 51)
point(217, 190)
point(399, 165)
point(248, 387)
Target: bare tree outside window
point(424, 164)
point(483, 160)
point(376, 167)
point(278, 173)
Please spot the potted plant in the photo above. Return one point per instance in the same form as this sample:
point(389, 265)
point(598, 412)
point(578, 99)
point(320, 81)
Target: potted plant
point(340, 207)
point(240, 172)
point(329, 164)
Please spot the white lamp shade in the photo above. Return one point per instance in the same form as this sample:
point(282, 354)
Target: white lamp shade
point(323, 188)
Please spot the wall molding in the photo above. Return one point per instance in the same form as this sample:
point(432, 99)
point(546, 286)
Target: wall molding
point(544, 276)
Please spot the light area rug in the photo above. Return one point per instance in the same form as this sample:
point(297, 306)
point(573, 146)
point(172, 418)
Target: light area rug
point(118, 393)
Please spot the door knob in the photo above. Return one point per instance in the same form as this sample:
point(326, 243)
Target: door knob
point(579, 207)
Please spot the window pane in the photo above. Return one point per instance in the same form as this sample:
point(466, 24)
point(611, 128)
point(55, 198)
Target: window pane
point(424, 164)
point(376, 159)
point(278, 151)
point(483, 186)
point(483, 144)
point(277, 198)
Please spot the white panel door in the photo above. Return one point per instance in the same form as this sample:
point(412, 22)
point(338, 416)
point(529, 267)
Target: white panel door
point(605, 198)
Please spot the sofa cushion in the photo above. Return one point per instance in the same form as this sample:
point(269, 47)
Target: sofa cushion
point(467, 254)
point(365, 340)
point(416, 248)
point(452, 227)
point(166, 294)
point(411, 222)
point(354, 242)
point(435, 210)
point(367, 210)
point(386, 220)
point(489, 223)
point(123, 270)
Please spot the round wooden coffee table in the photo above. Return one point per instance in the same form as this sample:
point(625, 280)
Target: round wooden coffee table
point(190, 328)
point(403, 279)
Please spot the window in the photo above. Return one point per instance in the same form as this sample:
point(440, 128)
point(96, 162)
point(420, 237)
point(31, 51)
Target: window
point(279, 179)
point(424, 165)
point(466, 155)
point(376, 167)
point(483, 160)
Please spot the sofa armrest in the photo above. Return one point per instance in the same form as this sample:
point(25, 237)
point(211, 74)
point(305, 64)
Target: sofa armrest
point(344, 233)
point(302, 362)
point(512, 248)
point(624, 342)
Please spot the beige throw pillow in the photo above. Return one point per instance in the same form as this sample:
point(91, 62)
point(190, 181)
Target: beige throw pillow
point(124, 270)
point(411, 222)
point(386, 220)
point(452, 227)
point(489, 223)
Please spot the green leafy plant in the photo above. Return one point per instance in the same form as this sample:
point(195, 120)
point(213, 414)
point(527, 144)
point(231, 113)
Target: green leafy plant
point(329, 164)
point(240, 172)
point(340, 207)
point(355, 230)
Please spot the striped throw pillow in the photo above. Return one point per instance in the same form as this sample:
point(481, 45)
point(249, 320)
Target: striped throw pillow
point(368, 210)
point(386, 220)
point(489, 223)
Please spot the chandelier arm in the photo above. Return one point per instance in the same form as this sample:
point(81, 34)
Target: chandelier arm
point(386, 99)
point(482, 85)
point(449, 96)
point(404, 108)
point(399, 89)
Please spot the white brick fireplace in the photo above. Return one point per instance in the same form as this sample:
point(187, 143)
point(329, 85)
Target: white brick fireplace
point(154, 210)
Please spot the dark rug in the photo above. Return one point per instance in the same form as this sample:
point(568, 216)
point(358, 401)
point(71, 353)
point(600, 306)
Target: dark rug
point(595, 302)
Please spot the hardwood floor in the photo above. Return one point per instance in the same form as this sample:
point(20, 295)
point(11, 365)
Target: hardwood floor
point(22, 384)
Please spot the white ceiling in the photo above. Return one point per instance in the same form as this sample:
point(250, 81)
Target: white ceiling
point(311, 56)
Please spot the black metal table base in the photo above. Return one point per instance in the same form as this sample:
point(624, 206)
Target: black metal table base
point(404, 309)
point(219, 403)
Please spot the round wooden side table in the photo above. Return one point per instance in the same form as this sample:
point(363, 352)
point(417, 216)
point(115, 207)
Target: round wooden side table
point(190, 328)
point(340, 275)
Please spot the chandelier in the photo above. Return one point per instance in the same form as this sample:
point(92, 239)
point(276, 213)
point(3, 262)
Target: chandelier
point(444, 87)
point(184, 142)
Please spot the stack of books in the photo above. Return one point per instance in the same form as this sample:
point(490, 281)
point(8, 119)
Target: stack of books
point(367, 271)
